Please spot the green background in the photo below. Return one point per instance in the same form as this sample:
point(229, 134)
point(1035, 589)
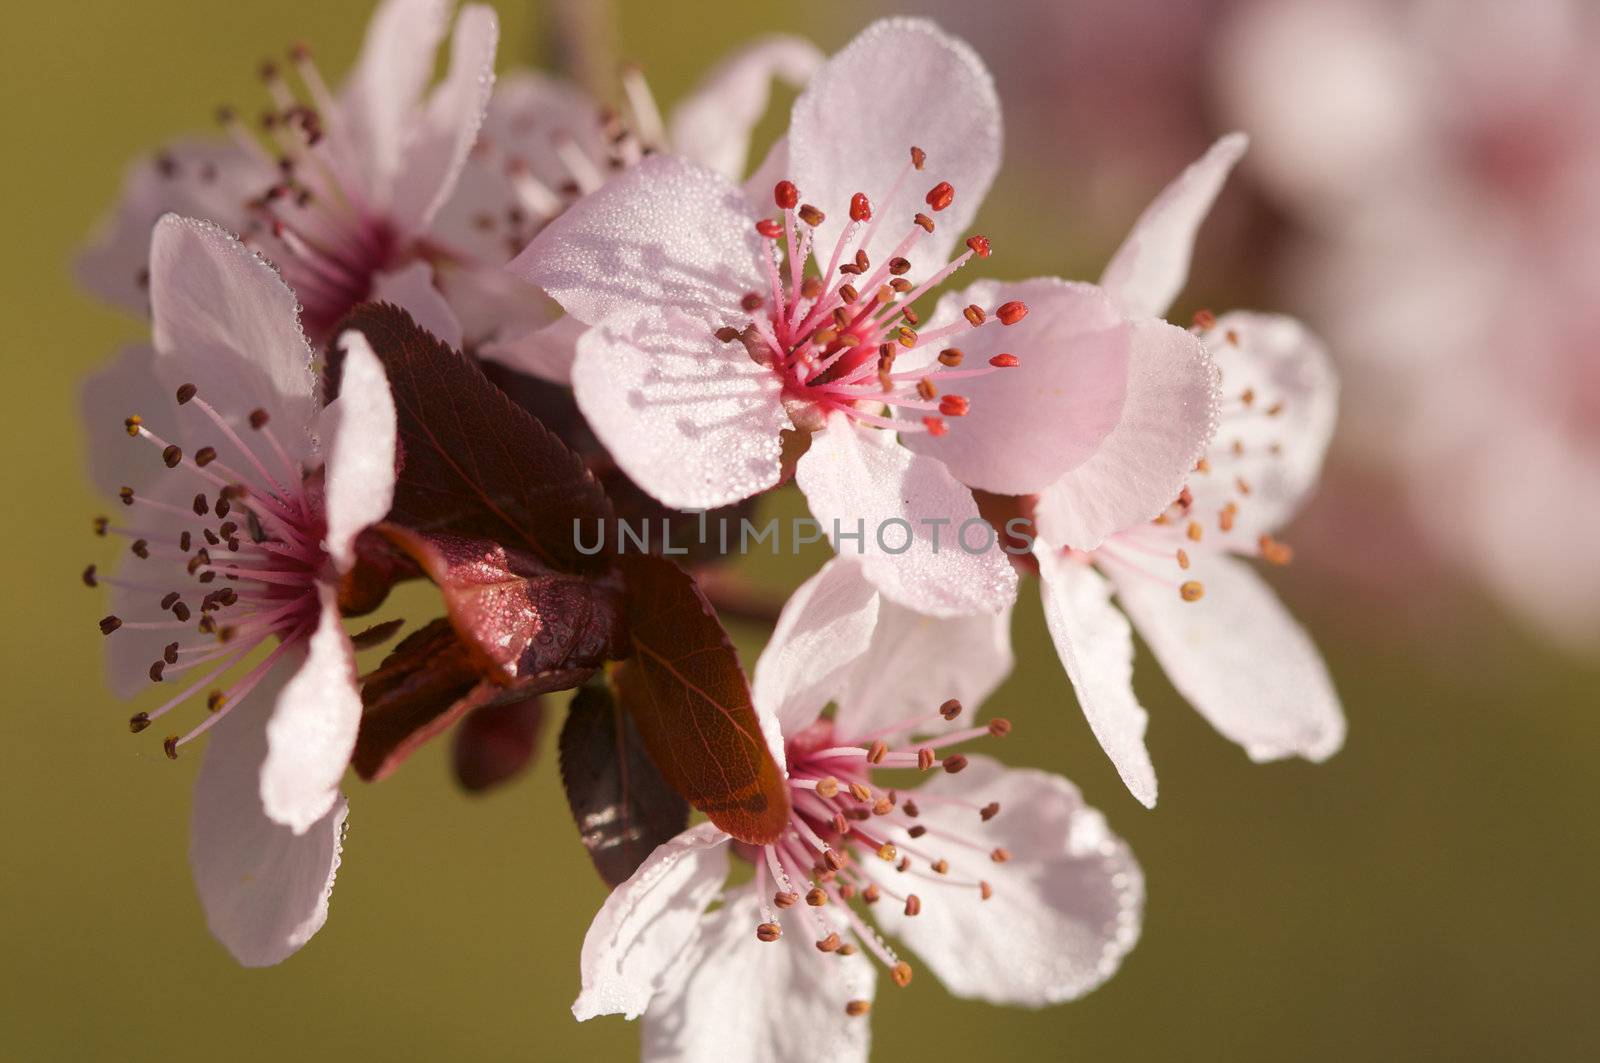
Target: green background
point(1428, 894)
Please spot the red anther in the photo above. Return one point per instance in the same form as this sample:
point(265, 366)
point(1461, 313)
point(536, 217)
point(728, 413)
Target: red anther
point(1004, 361)
point(786, 195)
point(770, 228)
point(918, 157)
point(941, 196)
point(935, 426)
point(860, 207)
point(1012, 312)
point(954, 406)
point(979, 245)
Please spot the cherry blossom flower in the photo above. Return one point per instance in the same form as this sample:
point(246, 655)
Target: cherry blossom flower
point(708, 343)
point(340, 192)
point(1449, 190)
point(1005, 884)
point(242, 498)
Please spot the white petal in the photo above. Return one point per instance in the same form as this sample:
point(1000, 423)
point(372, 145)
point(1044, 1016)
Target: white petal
point(1241, 659)
point(732, 997)
point(313, 727)
point(1152, 265)
point(197, 179)
point(444, 132)
point(1067, 905)
point(1276, 442)
point(264, 888)
point(1168, 417)
point(380, 97)
point(226, 322)
point(691, 420)
point(669, 233)
point(358, 432)
point(712, 125)
point(411, 289)
point(1096, 648)
point(1031, 424)
point(648, 921)
point(915, 663)
point(547, 352)
point(902, 83)
point(860, 479)
point(822, 633)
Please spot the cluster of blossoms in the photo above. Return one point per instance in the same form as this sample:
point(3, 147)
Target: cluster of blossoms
point(400, 332)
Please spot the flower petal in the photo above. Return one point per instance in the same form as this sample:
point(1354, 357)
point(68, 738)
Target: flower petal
point(1031, 424)
point(411, 289)
point(380, 97)
point(669, 233)
point(1275, 442)
point(1067, 905)
point(358, 433)
point(915, 663)
point(1152, 265)
point(1096, 648)
point(1167, 420)
point(824, 628)
point(199, 179)
point(648, 921)
point(1241, 659)
point(860, 479)
point(313, 727)
point(442, 135)
point(226, 322)
point(691, 420)
point(264, 888)
point(734, 997)
point(902, 83)
point(712, 125)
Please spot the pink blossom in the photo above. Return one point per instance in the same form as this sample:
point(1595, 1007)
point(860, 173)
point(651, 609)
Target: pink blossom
point(1002, 881)
point(242, 498)
point(1444, 161)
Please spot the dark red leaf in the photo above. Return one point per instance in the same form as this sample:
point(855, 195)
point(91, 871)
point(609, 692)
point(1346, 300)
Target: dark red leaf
point(472, 463)
point(689, 699)
point(520, 617)
point(622, 805)
point(497, 743)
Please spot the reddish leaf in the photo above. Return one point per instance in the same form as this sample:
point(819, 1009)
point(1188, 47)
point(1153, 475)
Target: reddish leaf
point(472, 463)
point(520, 617)
point(691, 703)
point(622, 805)
point(425, 685)
point(496, 743)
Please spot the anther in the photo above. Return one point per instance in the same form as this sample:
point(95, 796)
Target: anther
point(108, 624)
point(860, 207)
point(830, 943)
point(924, 759)
point(138, 722)
point(941, 196)
point(955, 762)
point(954, 406)
point(1005, 361)
point(828, 787)
point(918, 157)
point(1012, 312)
point(877, 752)
point(1192, 590)
point(913, 904)
point(1000, 855)
point(89, 577)
point(975, 315)
point(857, 1008)
point(769, 932)
point(815, 897)
point(989, 811)
point(999, 726)
point(132, 424)
point(923, 221)
point(205, 456)
point(785, 899)
point(185, 393)
point(812, 216)
point(169, 745)
point(785, 195)
point(950, 709)
point(979, 245)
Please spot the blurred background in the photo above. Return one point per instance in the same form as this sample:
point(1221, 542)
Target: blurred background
point(1423, 188)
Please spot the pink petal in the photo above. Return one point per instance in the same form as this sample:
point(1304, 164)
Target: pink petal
point(1031, 424)
point(648, 921)
point(732, 997)
point(1240, 658)
point(1167, 420)
point(1152, 265)
point(1096, 648)
point(358, 437)
point(820, 637)
point(902, 83)
point(712, 125)
point(668, 234)
point(860, 479)
point(312, 731)
point(691, 420)
point(1066, 909)
point(443, 134)
point(264, 888)
point(380, 97)
point(411, 288)
point(226, 322)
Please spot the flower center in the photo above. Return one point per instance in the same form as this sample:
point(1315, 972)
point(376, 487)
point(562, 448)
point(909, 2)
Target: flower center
point(833, 333)
point(222, 575)
point(837, 847)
